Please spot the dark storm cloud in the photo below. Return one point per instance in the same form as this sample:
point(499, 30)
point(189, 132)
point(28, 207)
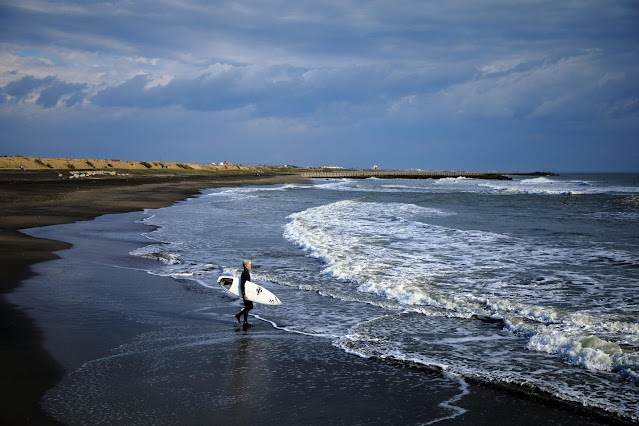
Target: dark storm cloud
point(51, 94)
point(47, 91)
point(204, 93)
point(331, 70)
point(26, 85)
point(294, 93)
point(338, 52)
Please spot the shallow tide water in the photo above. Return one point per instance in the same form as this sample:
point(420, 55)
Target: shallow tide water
point(530, 283)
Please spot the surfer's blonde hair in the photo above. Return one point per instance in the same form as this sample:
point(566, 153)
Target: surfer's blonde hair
point(246, 262)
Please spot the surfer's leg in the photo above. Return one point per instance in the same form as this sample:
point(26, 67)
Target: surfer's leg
point(248, 305)
point(242, 312)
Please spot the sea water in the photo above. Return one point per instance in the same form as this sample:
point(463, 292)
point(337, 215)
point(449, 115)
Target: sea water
point(532, 282)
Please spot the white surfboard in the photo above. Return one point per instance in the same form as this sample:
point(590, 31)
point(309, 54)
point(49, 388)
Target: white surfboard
point(255, 293)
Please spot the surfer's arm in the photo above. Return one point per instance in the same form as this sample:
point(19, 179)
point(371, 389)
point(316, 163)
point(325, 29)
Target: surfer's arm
point(241, 289)
point(243, 279)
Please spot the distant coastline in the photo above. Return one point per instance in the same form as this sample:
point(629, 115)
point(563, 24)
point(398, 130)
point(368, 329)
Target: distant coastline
point(44, 196)
point(97, 168)
point(42, 163)
point(411, 174)
point(40, 196)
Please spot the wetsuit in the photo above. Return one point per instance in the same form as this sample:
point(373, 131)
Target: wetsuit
point(248, 305)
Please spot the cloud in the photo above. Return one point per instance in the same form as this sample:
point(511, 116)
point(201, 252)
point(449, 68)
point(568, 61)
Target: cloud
point(25, 86)
point(202, 93)
point(274, 90)
point(321, 70)
point(46, 92)
point(573, 87)
point(52, 94)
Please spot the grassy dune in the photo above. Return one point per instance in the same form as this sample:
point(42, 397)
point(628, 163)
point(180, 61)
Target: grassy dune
point(32, 163)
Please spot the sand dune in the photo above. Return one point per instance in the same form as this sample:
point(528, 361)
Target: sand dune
point(14, 162)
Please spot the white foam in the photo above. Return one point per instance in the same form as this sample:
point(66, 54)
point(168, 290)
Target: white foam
point(550, 296)
point(588, 351)
point(155, 251)
point(388, 254)
point(293, 330)
point(494, 359)
point(450, 403)
point(250, 192)
point(554, 186)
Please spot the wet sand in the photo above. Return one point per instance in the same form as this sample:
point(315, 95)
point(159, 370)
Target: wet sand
point(222, 373)
point(35, 198)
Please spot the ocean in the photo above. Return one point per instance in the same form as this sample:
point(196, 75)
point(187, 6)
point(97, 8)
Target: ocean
point(530, 283)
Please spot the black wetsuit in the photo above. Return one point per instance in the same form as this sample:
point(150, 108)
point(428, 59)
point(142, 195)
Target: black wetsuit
point(248, 305)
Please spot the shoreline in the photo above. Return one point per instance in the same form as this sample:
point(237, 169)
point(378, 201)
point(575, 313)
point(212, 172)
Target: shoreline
point(35, 198)
point(136, 346)
point(34, 370)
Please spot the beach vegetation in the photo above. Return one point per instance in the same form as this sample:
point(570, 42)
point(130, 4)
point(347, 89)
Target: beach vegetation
point(14, 162)
point(42, 163)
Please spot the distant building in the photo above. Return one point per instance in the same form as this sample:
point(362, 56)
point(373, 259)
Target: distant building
point(375, 167)
point(331, 167)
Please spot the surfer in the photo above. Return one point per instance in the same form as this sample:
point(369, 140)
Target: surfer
point(248, 305)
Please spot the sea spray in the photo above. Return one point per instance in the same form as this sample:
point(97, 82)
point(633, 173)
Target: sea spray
point(530, 282)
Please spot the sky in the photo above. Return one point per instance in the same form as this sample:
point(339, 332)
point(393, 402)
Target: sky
point(505, 85)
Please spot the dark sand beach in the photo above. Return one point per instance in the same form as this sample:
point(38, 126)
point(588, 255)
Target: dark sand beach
point(35, 198)
point(222, 373)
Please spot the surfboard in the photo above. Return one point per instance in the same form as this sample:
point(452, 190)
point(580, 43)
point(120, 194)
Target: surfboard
point(255, 293)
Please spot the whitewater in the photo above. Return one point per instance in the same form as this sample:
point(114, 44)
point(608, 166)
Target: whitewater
point(531, 282)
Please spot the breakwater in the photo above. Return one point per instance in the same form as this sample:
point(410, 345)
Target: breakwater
point(401, 174)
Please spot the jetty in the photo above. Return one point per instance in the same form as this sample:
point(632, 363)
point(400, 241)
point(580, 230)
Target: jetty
point(414, 174)
point(400, 174)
